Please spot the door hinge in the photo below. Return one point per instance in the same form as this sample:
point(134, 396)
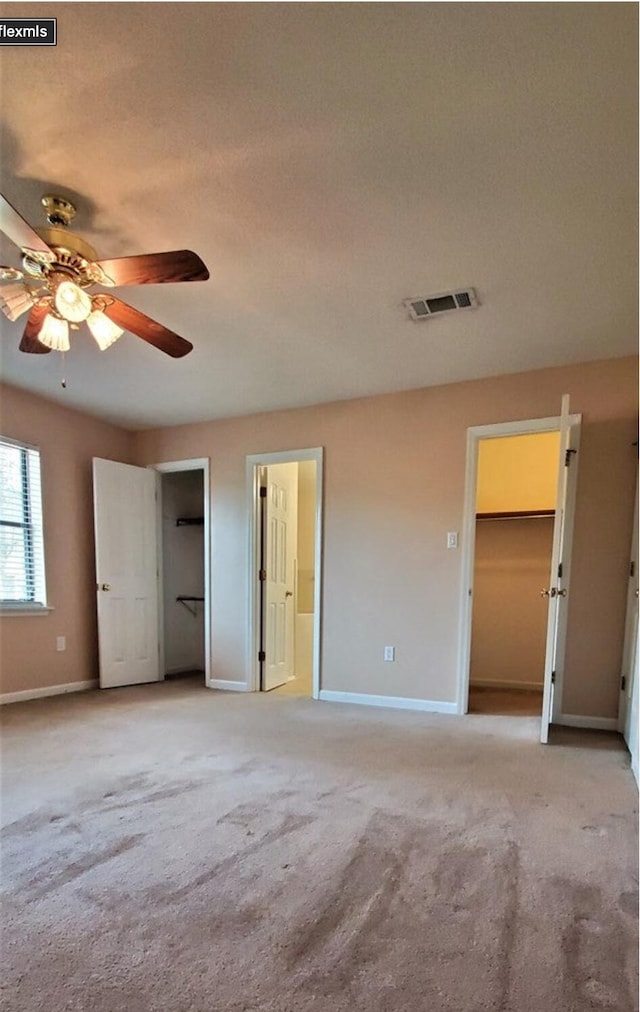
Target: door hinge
point(567, 457)
point(553, 678)
point(262, 575)
point(632, 569)
point(623, 683)
point(263, 491)
point(560, 571)
point(261, 655)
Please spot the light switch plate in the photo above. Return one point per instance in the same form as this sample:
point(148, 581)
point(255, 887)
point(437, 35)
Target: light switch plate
point(452, 539)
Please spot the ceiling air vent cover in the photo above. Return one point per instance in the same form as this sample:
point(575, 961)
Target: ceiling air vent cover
point(445, 302)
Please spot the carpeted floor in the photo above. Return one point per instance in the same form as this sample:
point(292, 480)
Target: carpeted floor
point(170, 848)
point(507, 702)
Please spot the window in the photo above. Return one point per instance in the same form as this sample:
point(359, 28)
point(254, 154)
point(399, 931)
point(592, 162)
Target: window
point(21, 545)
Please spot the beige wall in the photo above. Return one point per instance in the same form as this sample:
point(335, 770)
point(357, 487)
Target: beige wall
point(517, 473)
point(394, 485)
point(306, 534)
point(509, 630)
point(67, 440)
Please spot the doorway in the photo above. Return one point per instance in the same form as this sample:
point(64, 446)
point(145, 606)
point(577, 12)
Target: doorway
point(515, 511)
point(285, 493)
point(184, 572)
point(555, 590)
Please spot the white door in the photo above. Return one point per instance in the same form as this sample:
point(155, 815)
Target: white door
point(126, 572)
point(281, 531)
point(627, 719)
point(559, 578)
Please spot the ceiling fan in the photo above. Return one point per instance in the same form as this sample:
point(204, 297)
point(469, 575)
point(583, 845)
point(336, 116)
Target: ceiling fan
point(58, 270)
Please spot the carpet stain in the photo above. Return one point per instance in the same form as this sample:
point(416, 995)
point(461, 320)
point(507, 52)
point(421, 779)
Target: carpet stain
point(509, 871)
point(31, 823)
point(37, 889)
point(249, 812)
point(290, 824)
point(594, 952)
point(628, 902)
point(339, 936)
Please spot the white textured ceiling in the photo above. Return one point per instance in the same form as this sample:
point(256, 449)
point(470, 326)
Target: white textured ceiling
point(326, 161)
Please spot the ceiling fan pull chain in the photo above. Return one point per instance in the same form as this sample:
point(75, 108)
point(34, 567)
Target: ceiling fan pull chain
point(63, 378)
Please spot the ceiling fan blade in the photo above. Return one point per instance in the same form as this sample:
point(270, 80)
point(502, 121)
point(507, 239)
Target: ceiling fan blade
point(18, 230)
point(155, 268)
point(137, 323)
point(30, 342)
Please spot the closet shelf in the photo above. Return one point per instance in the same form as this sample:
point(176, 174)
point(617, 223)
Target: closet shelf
point(189, 521)
point(186, 601)
point(515, 515)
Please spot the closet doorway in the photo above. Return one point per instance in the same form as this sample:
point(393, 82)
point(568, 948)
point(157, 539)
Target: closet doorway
point(184, 572)
point(517, 540)
point(515, 512)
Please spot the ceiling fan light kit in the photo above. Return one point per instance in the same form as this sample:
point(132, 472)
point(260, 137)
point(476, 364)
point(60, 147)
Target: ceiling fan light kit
point(57, 268)
point(54, 333)
point(15, 299)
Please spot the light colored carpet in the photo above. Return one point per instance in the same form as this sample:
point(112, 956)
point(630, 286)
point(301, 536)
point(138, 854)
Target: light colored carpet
point(171, 848)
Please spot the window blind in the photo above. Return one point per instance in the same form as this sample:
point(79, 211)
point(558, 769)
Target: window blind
point(22, 578)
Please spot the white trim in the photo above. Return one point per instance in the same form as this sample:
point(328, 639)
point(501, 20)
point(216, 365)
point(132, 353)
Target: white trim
point(48, 690)
point(253, 463)
point(595, 723)
point(19, 443)
point(191, 464)
point(490, 683)
point(227, 685)
point(392, 702)
point(21, 609)
point(474, 435)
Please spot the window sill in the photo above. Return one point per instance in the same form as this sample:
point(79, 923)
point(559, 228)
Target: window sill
point(25, 609)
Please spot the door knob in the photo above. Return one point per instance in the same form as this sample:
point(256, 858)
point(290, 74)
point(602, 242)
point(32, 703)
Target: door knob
point(563, 592)
point(289, 593)
point(549, 593)
point(105, 586)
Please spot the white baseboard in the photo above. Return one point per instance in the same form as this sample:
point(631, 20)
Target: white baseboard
point(48, 690)
point(393, 702)
point(490, 683)
point(227, 685)
point(594, 723)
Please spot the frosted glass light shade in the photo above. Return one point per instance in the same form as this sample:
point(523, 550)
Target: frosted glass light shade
point(71, 302)
point(15, 299)
point(54, 333)
point(103, 329)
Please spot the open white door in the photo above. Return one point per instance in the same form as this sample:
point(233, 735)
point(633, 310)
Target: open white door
point(281, 531)
point(126, 572)
point(559, 578)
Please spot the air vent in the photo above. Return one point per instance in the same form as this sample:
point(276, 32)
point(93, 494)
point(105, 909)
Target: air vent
point(444, 302)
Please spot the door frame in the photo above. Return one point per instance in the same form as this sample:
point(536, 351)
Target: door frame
point(524, 427)
point(167, 467)
point(254, 462)
point(630, 644)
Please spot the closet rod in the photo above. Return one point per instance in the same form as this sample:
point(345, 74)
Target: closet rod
point(516, 515)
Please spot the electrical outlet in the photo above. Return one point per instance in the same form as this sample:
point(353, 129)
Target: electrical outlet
point(452, 539)
point(61, 643)
point(389, 653)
